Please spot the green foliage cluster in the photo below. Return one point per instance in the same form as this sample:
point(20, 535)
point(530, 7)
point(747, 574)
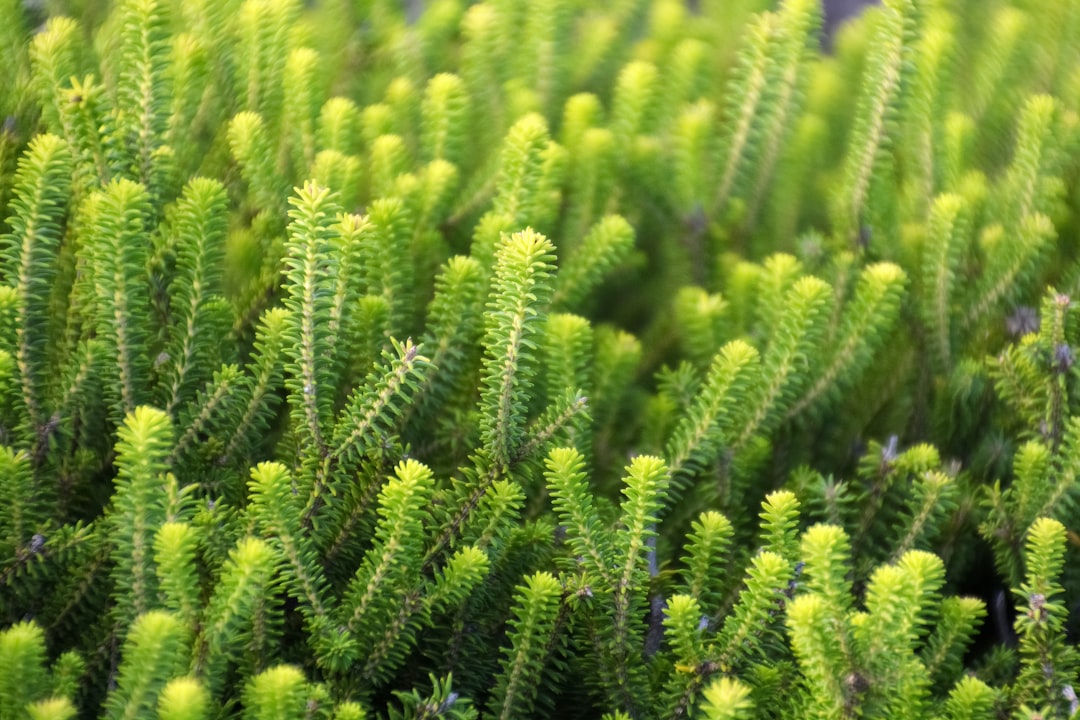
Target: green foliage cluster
point(520, 359)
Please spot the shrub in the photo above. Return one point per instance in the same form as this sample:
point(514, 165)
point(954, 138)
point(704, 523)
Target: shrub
point(359, 362)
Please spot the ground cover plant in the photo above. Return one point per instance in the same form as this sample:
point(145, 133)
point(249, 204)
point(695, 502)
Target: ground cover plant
point(520, 359)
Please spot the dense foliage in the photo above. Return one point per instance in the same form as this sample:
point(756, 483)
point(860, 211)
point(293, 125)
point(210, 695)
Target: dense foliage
point(520, 359)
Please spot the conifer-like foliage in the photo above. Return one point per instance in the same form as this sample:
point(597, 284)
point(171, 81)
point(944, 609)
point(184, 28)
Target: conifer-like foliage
point(636, 359)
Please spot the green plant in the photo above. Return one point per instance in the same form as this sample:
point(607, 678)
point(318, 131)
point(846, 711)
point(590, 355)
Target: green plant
point(357, 362)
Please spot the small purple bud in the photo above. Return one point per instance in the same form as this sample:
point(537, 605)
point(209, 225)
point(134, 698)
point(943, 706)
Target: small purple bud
point(888, 453)
point(1038, 607)
point(1063, 358)
point(697, 222)
point(865, 236)
point(1069, 694)
point(1023, 321)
